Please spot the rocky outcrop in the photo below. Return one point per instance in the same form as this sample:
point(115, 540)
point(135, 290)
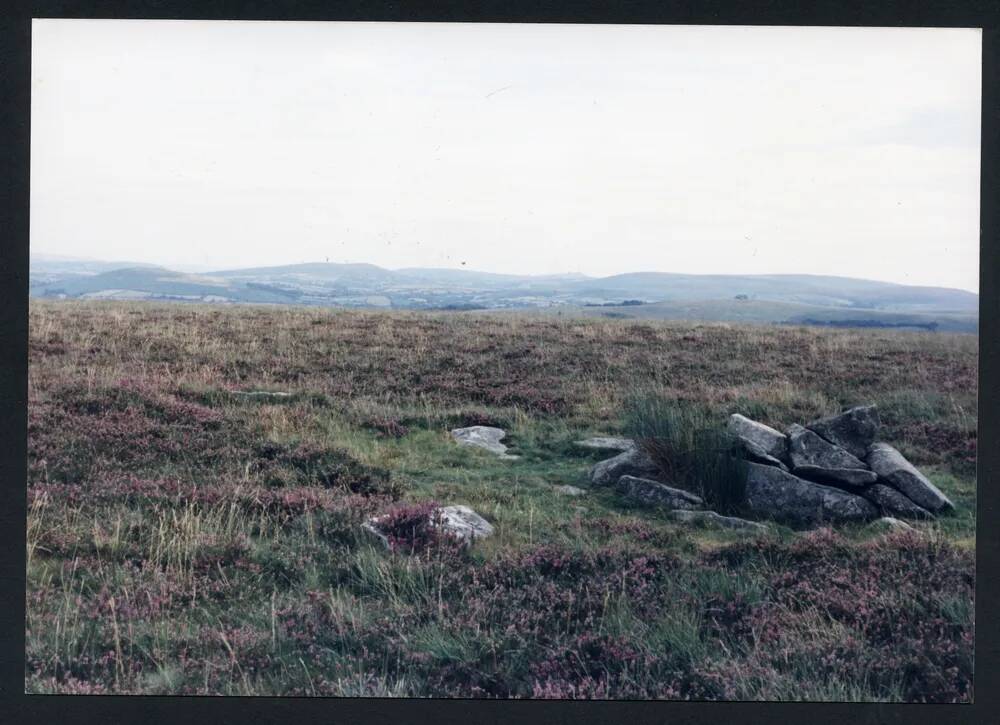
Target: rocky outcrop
point(892, 502)
point(485, 437)
point(894, 469)
point(772, 442)
point(782, 496)
point(853, 430)
point(815, 458)
point(606, 443)
point(726, 522)
point(646, 492)
point(633, 462)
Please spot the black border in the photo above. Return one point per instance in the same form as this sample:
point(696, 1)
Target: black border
point(15, 42)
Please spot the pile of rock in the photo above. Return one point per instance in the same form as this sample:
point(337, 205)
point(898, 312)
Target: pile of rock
point(636, 477)
point(832, 470)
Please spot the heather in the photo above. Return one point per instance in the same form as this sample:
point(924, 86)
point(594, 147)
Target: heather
point(186, 539)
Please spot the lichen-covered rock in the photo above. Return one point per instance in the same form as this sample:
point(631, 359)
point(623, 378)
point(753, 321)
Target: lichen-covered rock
point(891, 501)
point(853, 430)
point(895, 470)
point(633, 462)
point(485, 437)
point(606, 443)
point(772, 442)
point(808, 450)
point(782, 496)
point(711, 517)
point(754, 452)
point(646, 492)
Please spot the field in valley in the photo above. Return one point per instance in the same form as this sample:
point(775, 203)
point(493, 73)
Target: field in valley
point(186, 539)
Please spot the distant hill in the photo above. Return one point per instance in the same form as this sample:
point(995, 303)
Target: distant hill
point(793, 299)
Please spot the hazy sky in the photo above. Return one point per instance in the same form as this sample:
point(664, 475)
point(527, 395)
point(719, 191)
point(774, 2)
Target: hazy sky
point(510, 148)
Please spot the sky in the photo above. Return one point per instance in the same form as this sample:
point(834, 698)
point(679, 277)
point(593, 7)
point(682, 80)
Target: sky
point(530, 149)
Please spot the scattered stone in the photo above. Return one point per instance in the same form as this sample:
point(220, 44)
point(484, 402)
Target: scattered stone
point(460, 522)
point(485, 437)
point(853, 430)
point(782, 496)
point(889, 524)
point(773, 443)
point(570, 490)
point(633, 462)
point(894, 469)
point(754, 452)
point(262, 394)
point(464, 523)
point(653, 493)
point(893, 502)
point(606, 443)
point(728, 522)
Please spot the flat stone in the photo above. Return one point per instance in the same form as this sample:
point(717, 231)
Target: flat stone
point(754, 452)
point(855, 478)
point(262, 394)
point(653, 493)
point(606, 443)
point(464, 523)
point(711, 517)
point(806, 448)
point(633, 462)
point(772, 442)
point(853, 430)
point(895, 470)
point(570, 490)
point(784, 497)
point(458, 521)
point(889, 524)
point(485, 437)
point(893, 502)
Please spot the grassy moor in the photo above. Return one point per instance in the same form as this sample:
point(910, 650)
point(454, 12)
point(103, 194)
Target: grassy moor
point(186, 537)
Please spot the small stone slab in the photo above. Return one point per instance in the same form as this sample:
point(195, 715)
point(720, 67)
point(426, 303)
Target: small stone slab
point(851, 478)
point(485, 437)
point(633, 462)
point(606, 443)
point(458, 521)
point(806, 448)
point(570, 490)
point(773, 443)
point(895, 470)
point(653, 493)
point(754, 452)
point(888, 524)
point(727, 522)
point(893, 502)
point(782, 496)
point(262, 394)
point(464, 523)
point(853, 430)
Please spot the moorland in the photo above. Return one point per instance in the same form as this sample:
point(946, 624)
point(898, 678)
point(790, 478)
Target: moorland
point(187, 538)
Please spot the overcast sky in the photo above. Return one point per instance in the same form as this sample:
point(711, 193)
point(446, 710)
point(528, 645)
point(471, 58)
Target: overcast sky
point(510, 148)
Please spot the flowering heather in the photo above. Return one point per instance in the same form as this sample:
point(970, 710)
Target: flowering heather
point(187, 539)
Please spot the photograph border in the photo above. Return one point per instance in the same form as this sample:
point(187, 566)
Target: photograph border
point(15, 54)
